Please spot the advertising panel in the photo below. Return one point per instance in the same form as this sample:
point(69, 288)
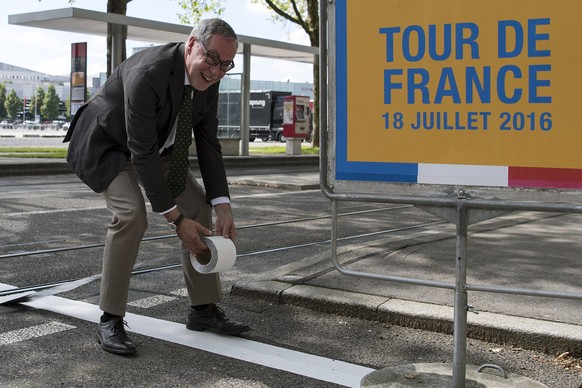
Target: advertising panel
point(78, 75)
point(480, 92)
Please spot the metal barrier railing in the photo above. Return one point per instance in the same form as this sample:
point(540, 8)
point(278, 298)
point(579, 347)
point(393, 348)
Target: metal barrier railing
point(462, 213)
point(460, 210)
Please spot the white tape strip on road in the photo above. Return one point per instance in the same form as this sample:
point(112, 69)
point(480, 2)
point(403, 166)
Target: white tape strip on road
point(320, 368)
point(27, 333)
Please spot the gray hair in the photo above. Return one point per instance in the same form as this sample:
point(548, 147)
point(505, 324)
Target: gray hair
point(208, 27)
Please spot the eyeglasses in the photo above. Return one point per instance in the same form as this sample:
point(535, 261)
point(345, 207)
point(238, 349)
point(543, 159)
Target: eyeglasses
point(214, 60)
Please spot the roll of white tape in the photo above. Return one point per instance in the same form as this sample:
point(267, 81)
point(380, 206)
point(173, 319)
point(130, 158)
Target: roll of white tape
point(221, 255)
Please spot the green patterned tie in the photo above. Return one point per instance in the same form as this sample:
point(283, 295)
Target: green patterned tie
point(179, 165)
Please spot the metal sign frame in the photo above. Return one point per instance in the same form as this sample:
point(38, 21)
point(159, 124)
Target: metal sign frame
point(355, 168)
point(450, 202)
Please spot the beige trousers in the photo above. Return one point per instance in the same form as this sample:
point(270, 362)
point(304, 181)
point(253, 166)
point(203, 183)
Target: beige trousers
point(125, 200)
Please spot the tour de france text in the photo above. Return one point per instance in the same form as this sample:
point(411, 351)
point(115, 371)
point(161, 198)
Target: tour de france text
point(517, 73)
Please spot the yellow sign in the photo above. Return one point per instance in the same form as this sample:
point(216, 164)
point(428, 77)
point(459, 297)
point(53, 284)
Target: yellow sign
point(471, 82)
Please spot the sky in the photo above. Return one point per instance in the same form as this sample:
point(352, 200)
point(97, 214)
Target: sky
point(49, 51)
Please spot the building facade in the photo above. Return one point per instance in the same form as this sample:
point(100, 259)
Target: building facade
point(25, 82)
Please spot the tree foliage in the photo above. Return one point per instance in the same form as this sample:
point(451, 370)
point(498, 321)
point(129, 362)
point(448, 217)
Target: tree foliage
point(50, 104)
point(117, 7)
point(195, 9)
point(304, 13)
point(12, 104)
point(2, 100)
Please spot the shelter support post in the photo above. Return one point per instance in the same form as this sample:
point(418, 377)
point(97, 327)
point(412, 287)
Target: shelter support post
point(245, 100)
point(116, 45)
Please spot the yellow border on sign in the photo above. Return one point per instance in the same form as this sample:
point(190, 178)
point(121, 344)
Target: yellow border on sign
point(371, 134)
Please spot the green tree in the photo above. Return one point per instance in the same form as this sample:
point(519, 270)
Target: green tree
point(68, 106)
point(118, 7)
point(50, 106)
point(12, 105)
point(304, 13)
point(195, 9)
point(2, 100)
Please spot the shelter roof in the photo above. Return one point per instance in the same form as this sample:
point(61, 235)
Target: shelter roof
point(95, 23)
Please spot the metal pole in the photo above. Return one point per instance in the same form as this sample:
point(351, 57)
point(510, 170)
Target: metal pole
point(334, 230)
point(116, 45)
point(245, 113)
point(461, 304)
point(323, 95)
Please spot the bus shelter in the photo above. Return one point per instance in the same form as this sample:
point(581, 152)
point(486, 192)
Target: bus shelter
point(100, 23)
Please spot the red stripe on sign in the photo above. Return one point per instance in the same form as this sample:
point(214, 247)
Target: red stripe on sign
point(79, 50)
point(559, 178)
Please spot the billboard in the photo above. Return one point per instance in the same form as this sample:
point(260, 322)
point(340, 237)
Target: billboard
point(479, 92)
point(78, 75)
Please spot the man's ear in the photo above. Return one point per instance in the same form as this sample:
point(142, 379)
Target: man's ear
point(190, 44)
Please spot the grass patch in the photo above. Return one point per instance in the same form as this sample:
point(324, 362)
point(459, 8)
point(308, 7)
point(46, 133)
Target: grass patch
point(61, 152)
point(306, 149)
point(34, 152)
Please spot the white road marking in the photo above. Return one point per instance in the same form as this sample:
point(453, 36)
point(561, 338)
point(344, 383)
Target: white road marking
point(151, 301)
point(20, 335)
point(180, 292)
point(320, 368)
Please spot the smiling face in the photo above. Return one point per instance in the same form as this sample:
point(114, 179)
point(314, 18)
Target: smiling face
point(201, 74)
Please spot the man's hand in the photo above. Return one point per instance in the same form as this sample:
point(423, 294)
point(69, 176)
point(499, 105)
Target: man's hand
point(225, 221)
point(190, 232)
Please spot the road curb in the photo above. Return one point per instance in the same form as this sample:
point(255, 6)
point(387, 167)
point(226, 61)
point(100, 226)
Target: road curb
point(23, 167)
point(525, 333)
point(15, 167)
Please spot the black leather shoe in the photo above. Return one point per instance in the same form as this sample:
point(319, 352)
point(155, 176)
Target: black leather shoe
point(213, 318)
point(113, 338)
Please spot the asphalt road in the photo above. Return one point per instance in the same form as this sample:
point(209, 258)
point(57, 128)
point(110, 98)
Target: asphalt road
point(44, 348)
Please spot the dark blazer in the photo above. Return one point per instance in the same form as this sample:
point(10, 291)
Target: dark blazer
point(131, 116)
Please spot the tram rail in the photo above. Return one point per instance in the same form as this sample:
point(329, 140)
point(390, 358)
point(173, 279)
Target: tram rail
point(138, 269)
